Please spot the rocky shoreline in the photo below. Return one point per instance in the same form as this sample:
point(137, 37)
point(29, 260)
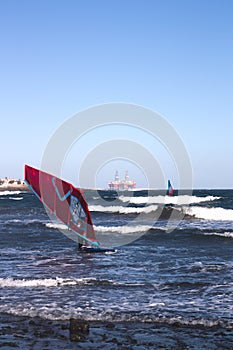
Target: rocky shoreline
point(35, 333)
point(11, 188)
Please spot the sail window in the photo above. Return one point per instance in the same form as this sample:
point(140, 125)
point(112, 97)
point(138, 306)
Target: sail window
point(78, 215)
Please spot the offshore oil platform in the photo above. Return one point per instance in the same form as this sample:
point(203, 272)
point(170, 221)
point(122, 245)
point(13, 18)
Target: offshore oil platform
point(122, 185)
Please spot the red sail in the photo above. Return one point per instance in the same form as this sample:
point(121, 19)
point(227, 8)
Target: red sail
point(64, 201)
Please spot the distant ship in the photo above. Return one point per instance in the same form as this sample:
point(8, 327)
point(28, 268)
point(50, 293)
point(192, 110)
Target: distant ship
point(122, 185)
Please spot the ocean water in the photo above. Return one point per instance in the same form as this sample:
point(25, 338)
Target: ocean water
point(170, 286)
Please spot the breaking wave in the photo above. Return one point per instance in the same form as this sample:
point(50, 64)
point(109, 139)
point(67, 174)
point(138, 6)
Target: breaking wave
point(122, 229)
point(176, 200)
point(59, 282)
point(46, 282)
point(7, 193)
point(57, 226)
point(24, 222)
point(107, 229)
point(122, 209)
point(127, 229)
point(16, 198)
point(57, 312)
point(221, 234)
point(213, 214)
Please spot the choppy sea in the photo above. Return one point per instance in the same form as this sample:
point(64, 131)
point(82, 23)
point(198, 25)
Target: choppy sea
point(169, 286)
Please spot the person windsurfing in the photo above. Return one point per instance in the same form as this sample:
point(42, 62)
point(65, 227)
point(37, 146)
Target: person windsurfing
point(67, 204)
point(170, 190)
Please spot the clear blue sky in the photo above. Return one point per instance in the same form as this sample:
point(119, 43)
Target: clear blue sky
point(175, 57)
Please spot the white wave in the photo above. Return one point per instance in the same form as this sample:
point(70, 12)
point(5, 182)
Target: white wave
point(178, 200)
point(14, 220)
point(10, 282)
point(16, 198)
point(122, 229)
point(54, 311)
point(57, 226)
point(6, 193)
point(25, 221)
point(221, 234)
point(213, 214)
point(46, 282)
point(156, 304)
point(107, 229)
point(122, 209)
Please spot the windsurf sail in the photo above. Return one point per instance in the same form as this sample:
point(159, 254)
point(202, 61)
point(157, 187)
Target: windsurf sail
point(170, 189)
point(64, 202)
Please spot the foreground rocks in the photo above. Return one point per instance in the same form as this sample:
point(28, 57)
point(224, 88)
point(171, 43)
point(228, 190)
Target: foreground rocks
point(36, 334)
point(79, 329)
